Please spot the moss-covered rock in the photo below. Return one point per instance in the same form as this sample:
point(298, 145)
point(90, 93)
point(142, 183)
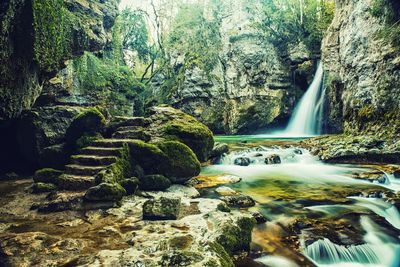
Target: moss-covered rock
point(46, 175)
point(55, 156)
point(43, 187)
point(172, 124)
point(162, 208)
point(148, 156)
point(105, 192)
point(154, 183)
point(234, 237)
point(90, 122)
point(130, 185)
point(182, 162)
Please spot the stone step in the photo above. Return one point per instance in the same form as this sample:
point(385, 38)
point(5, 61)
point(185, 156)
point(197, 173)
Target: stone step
point(109, 143)
point(129, 128)
point(132, 134)
point(81, 170)
point(132, 121)
point(75, 182)
point(92, 160)
point(101, 151)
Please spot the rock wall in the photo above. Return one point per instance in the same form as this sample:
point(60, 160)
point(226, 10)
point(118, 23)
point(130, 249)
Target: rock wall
point(363, 71)
point(253, 85)
point(30, 53)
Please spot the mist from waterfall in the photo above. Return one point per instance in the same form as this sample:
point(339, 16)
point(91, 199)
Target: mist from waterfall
point(307, 116)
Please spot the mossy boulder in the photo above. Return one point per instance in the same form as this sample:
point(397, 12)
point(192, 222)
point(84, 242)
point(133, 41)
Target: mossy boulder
point(236, 236)
point(46, 175)
point(172, 159)
point(43, 187)
point(130, 185)
point(55, 156)
point(90, 122)
point(148, 156)
point(182, 162)
point(105, 192)
point(174, 125)
point(162, 208)
point(154, 183)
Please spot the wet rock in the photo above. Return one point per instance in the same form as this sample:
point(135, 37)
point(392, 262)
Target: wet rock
point(396, 174)
point(259, 217)
point(219, 150)
point(242, 161)
point(223, 207)
point(212, 181)
point(298, 151)
point(225, 191)
point(105, 192)
point(130, 185)
point(239, 201)
point(162, 208)
point(273, 159)
point(184, 191)
point(155, 183)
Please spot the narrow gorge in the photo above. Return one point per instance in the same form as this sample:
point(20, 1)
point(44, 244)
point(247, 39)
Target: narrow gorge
point(213, 133)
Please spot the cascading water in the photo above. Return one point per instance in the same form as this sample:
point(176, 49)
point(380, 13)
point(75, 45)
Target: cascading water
point(307, 116)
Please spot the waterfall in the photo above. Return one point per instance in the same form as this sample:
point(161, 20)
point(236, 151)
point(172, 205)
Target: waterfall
point(307, 116)
point(378, 250)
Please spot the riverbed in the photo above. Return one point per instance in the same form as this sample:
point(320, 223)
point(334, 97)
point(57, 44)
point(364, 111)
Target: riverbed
point(317, 214)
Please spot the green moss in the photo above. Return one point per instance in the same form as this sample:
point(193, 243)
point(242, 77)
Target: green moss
point(105, 192)
point(366, 113)
point(89, 123)
point(182, 162)
point(154, 183)
point(234, 238)
point(148, 156)
point(46, 175)
point(87, 139)
point(225, 259)
point(43, 187)
point(51, 41)
point(192, 133)
point(130, 185)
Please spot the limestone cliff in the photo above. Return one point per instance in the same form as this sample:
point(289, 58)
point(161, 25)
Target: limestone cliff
point(252, 86)
point(38, 36)
point(363, 69)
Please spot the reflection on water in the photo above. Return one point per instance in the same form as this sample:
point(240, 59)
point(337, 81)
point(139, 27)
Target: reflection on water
point(318, 213)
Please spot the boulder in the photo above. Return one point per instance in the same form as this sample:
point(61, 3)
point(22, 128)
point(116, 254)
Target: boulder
point(162, 208)
point(219, 150)
point(89, 122)
point(259, 217)
point(182, 162)
point(154, 183)
point(223, 207)
point(130, 185)
point(242, 161)
point(273, 159)
point(46, 175)
point(172, 124)
point(105, 192)
point(225, 191)
point(239, 201)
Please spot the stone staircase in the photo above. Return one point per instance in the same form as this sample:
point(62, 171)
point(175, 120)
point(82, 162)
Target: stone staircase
point(80, 173)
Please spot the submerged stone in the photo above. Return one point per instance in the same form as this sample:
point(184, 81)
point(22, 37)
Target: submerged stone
point(239, 201)
point(242, 161)
point(273, 159)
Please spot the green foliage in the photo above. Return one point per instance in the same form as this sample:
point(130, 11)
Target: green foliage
point(389, 12)
point(196, 36)
point(107, 80)
point(289, 22)
point(49, 33)
point(134, 33)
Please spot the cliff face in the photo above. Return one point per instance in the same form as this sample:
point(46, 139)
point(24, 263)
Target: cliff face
point(38, 36)
point(252, 86)
point(363, 71)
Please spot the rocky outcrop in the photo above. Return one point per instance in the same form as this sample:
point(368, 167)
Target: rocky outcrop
point(36, 37)
point(362, 69)
point(252, 85)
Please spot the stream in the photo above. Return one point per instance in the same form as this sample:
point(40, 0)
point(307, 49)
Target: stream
point(317, 214)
